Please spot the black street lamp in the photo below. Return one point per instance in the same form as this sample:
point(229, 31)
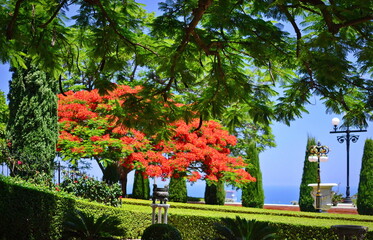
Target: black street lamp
point(346, 138)
point(318, 153)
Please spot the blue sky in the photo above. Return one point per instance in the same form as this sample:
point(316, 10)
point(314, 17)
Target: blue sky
point(283, 165)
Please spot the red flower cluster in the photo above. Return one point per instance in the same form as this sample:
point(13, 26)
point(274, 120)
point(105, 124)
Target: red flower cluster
point(86, 131)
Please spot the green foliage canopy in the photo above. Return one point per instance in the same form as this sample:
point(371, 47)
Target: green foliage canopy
point(212, 53)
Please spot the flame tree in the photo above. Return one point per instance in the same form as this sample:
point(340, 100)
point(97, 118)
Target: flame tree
point(89, 129)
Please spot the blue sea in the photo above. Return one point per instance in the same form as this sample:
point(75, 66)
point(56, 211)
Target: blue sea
point(273, 194)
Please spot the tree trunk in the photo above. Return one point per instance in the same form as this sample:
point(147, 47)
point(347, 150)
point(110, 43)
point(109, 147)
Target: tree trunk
point(123, 172)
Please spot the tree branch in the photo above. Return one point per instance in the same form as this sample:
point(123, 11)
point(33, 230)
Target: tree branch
point(199, 124)
point(294, 24)
point(60, 85)
point(12, 23)
point(198, 12)
point(355, 21)
point(44, 25)
point(114, 26)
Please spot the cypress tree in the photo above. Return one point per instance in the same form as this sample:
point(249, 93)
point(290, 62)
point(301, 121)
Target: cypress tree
point(178, 190)
point(4, 115)
point(252, 192)
point(32, 122)
point(309, 176)
point(365, 190)
point(141, 187)
point(215, 193)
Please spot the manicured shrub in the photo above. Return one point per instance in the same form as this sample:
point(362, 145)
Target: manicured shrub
point(365, 190)
point(161, 231)
point(215, 193)
point(29, 213)
point(252, 192)
point(178, 190)
point(309, 176)
point(141, 186)
point(35, 213)
point(83, 186)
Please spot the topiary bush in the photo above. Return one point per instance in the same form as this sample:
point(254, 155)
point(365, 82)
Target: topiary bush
point(161, 231)
point(252, 192)
point(365, 191)
point(141, 186)
point(178, 190)
point(215, 193)
point(309, 176)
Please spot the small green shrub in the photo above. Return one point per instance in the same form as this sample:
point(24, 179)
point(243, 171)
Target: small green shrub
point(161, 231)
point(240, 228)
point(337, 198)
point(83, 186)
point(83, 225)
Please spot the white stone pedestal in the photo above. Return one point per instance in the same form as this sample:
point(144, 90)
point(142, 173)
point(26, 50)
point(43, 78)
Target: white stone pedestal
point(326, 194)
point(159, 207)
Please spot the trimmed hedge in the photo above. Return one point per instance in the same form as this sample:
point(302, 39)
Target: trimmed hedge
point(28, 212)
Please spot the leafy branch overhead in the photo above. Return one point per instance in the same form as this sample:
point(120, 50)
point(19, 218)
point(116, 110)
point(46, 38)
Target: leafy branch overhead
point(210, 54)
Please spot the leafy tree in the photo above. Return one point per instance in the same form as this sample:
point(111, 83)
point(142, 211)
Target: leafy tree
point(178, 189)
point(199, 150)
point(86, 131)
point(213, 54)
point(32, 122)
point(215, 193)
point(309, 176)
point(141, 186)
point(252, 192)
point(365, 193)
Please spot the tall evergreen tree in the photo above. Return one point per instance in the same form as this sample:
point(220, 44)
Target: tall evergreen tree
point(4, 115)
point(252, 192)
point(365, 191)
point(215, 193)
point(309, 176)
point(178, 190)
point(141, 187)
point(32, 122)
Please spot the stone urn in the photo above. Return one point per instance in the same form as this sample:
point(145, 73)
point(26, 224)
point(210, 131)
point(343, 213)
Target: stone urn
point(326, 194)
point(160, 194)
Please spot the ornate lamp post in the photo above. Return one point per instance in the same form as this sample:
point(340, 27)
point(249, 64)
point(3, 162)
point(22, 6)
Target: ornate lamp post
point(346, 138)
point(318, 153)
